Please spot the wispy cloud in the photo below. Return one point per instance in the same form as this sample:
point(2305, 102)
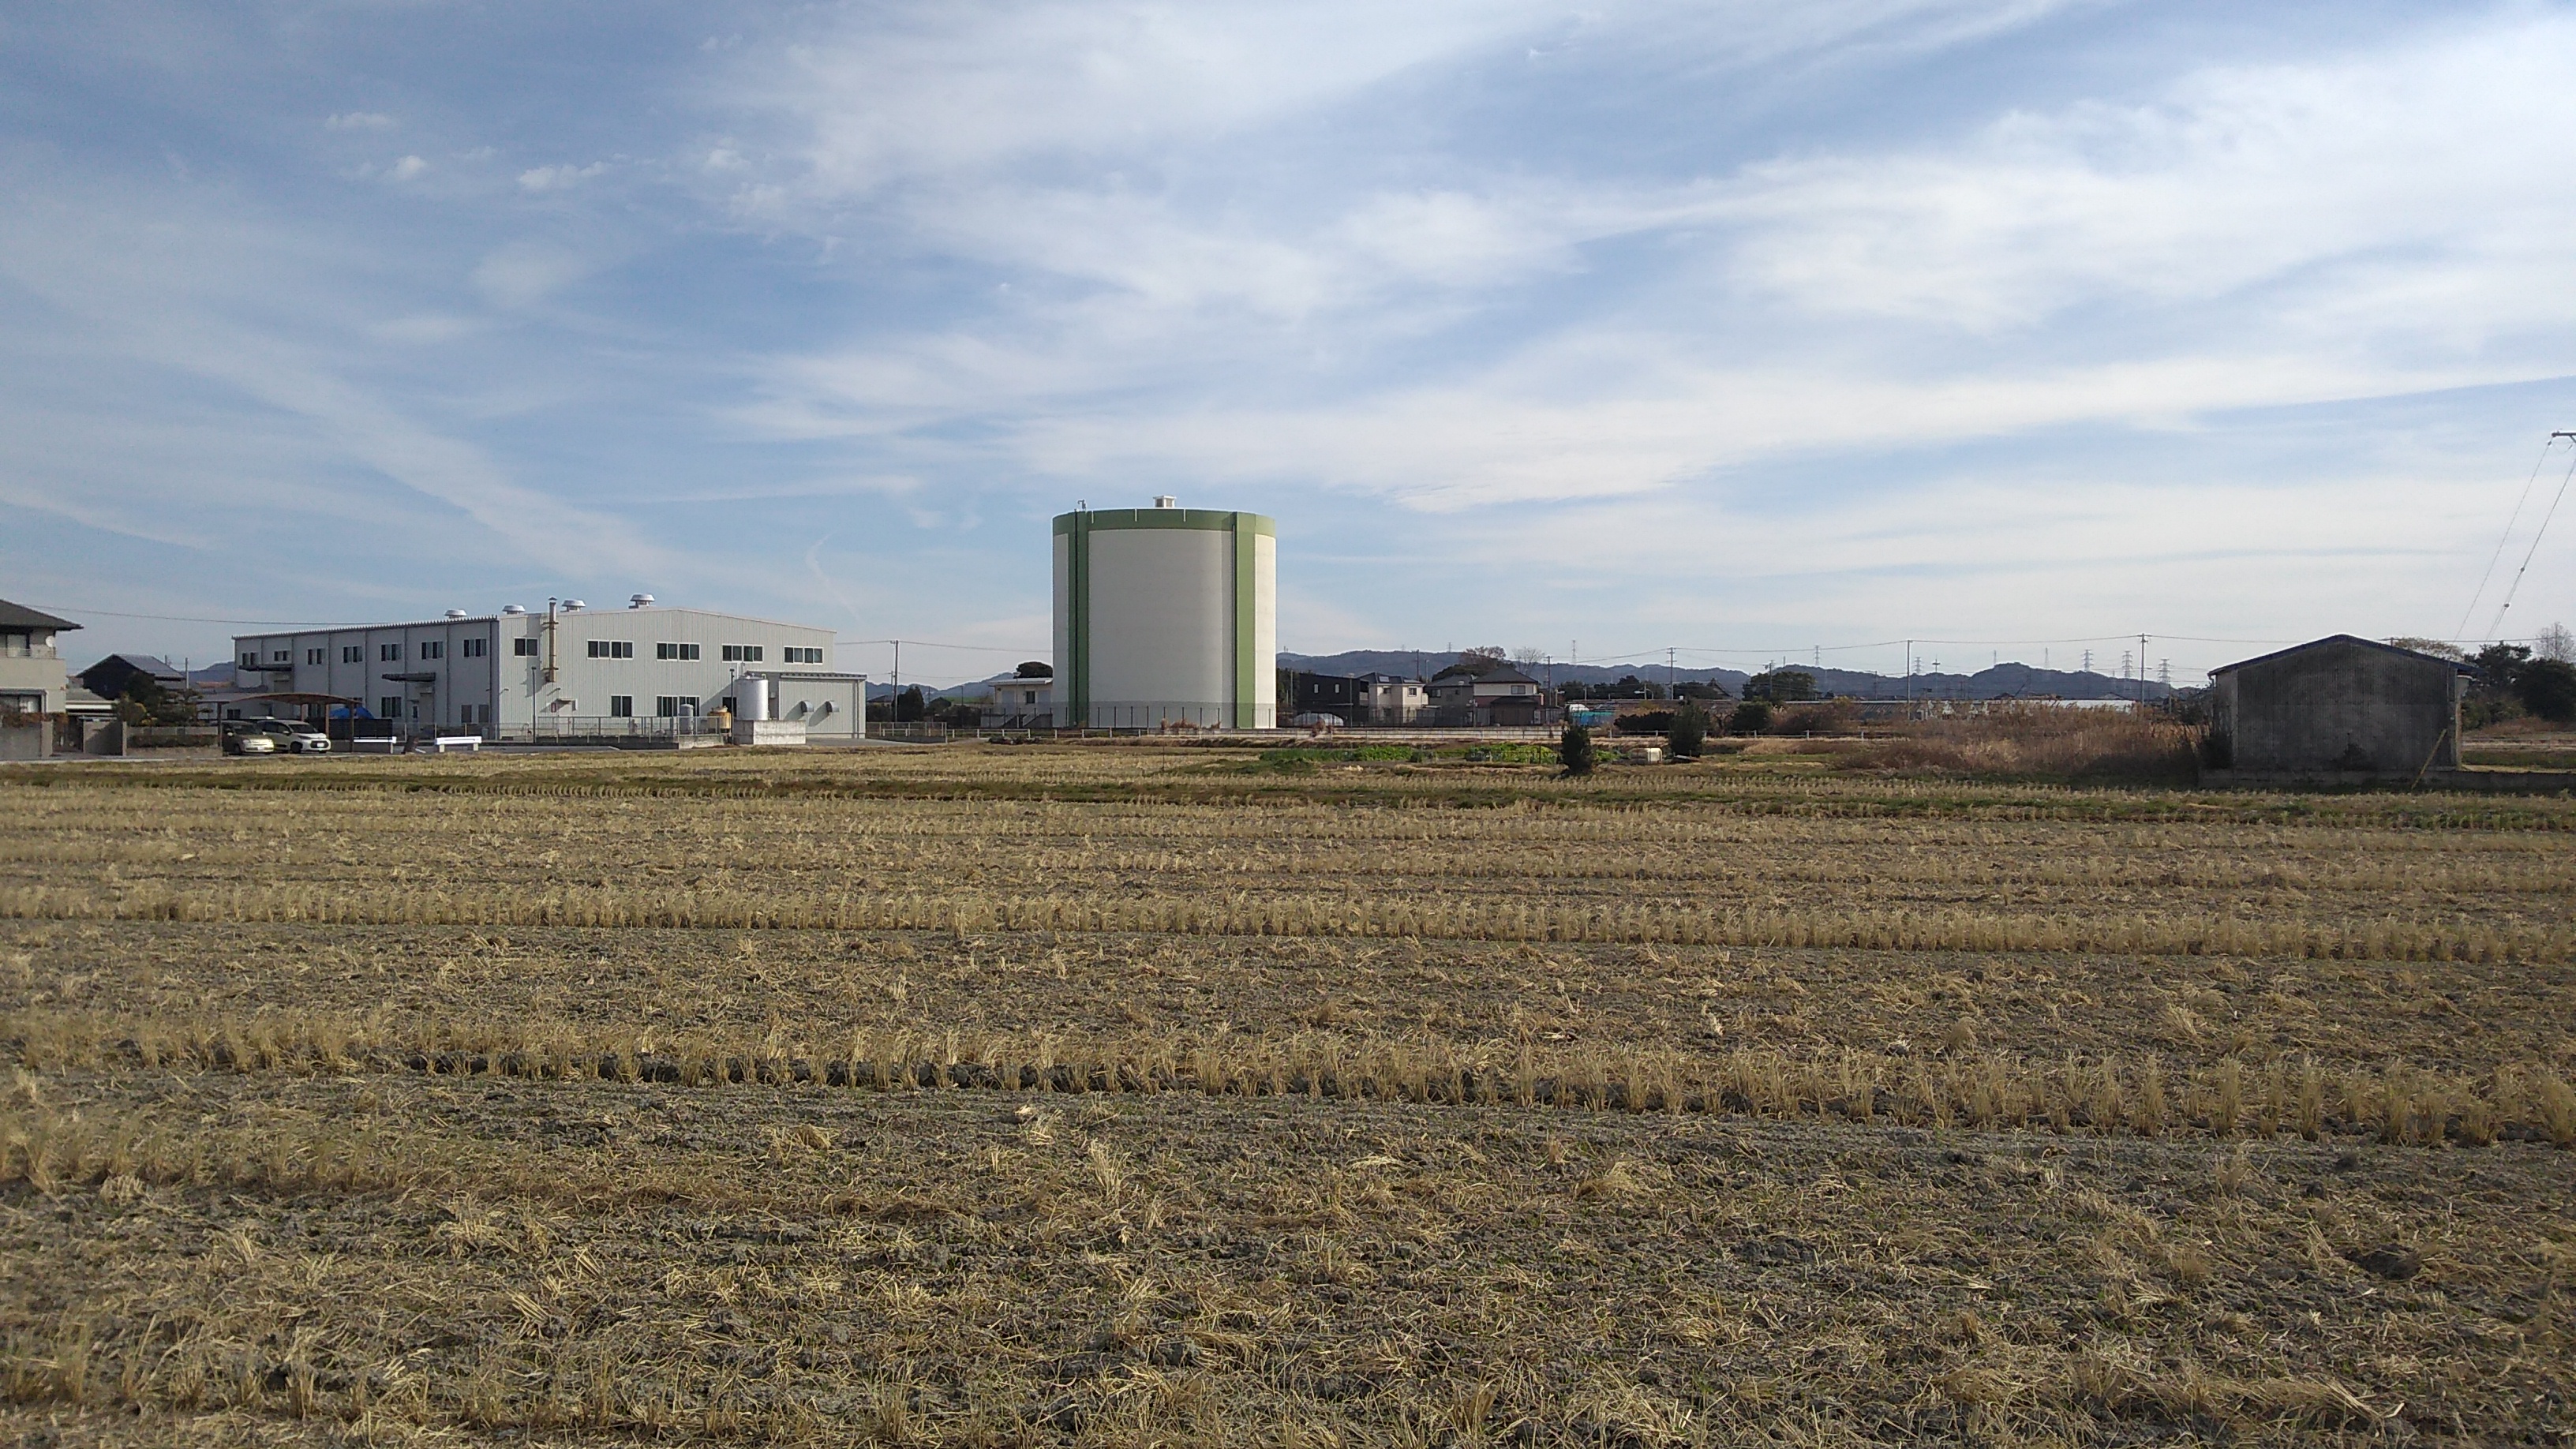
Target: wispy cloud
point(204, 297)
point(558, 177)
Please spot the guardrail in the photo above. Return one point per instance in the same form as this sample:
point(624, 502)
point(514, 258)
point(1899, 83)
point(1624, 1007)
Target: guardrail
point(566, 728)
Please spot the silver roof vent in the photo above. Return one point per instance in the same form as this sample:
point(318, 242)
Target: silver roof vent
point(574, 605)
point(639, 601)
point(458, 614)
point(514, 608)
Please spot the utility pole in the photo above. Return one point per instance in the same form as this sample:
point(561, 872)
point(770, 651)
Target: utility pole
point(898, 668)
point(1672, 684)
point(2142, 674)
point(1909, 671)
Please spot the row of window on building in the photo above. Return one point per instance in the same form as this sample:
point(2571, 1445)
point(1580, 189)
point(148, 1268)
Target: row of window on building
point(729, 653)
point(390, 653)
point(668, 706)
point(527, 649)
point(394, 706)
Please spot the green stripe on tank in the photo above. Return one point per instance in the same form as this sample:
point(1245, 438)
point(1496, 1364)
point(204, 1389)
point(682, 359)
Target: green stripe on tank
point(1077, 596)
point(1246, 574)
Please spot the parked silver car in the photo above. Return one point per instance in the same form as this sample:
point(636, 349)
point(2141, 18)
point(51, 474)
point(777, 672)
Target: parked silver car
point(241, 739)
point(294, 736)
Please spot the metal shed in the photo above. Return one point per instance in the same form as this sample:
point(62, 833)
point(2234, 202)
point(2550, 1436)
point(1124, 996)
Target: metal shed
point(2339, 707)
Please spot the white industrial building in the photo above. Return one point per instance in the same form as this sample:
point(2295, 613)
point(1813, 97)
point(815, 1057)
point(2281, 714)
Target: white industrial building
point(1166, 616)
point(568, 671)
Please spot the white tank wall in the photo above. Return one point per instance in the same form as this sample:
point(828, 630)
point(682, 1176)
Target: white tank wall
point(1162, 618)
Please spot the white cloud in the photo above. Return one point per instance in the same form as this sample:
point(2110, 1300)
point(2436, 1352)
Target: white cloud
point(912, 91)
point(426, 327)
point(556, 178)
point(930, 90)
point(406, 169)
point(524, 273)
point(2416, 161)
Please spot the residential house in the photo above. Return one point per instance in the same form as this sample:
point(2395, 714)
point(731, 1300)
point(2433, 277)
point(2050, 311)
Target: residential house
point(1480, 691)
point(32, 679)
point(108, 677)
point(1391, 699)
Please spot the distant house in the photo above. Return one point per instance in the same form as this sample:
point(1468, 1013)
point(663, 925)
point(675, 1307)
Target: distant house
point(1480, 691)
point(108, 677)
point(1309, 693)
point(32, 680)
point(1361, 699)
point(2339, 706)
point(1391, 699)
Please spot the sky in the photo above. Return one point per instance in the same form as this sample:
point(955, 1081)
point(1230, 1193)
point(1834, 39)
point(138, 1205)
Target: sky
point(1755, 332)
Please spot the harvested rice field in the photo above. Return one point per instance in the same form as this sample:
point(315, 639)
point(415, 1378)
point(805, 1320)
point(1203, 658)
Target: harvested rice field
point(1119, 1094)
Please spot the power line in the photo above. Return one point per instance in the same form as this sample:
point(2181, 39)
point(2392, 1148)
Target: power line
point(66, 609)
point(934, 644)
point(2507, 536)
point(2536, 535)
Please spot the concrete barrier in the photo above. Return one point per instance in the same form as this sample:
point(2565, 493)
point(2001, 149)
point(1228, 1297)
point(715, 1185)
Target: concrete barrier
point(34, 741)
point(768, 731)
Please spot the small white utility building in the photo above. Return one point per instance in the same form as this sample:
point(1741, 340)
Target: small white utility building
point(1166, 616)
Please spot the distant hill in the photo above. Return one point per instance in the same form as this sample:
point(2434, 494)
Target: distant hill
point(2002, 681)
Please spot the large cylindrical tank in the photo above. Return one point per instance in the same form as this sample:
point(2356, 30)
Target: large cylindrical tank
point(1164, 616)
point(751, 697)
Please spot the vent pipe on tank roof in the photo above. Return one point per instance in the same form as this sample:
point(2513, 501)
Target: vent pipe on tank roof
point(1166, 500)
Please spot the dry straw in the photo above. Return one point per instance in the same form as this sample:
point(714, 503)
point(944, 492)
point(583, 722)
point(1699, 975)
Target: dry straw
point(1990, 1091)
point(2462, 938)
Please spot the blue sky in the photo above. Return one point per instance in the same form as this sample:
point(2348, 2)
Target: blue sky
point(1733, 328)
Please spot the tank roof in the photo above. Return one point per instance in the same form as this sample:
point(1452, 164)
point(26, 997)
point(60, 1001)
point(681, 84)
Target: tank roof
point(1214, 520)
